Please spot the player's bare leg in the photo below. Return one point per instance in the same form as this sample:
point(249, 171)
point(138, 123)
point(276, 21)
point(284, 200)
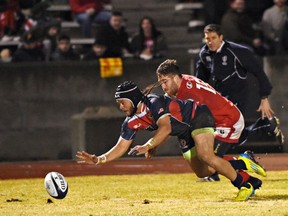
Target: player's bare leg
point(204, 148)
point(200, 168)
point(205, 153)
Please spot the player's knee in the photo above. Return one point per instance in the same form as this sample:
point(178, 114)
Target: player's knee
point(205, 158)
point(210, 160)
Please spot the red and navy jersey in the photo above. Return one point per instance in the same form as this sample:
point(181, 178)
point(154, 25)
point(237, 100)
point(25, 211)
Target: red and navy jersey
point(183, 117)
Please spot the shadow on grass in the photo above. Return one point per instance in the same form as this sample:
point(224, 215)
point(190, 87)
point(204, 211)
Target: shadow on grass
point(271, 197)
point(276, 180)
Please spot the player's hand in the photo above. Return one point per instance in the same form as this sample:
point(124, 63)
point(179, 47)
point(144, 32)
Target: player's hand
point(265, 109)
point(150, 153)
point(138, 150)
point(85, 157)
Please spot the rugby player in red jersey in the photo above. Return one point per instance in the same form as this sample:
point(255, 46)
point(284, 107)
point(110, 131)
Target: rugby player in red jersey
point(229, 121)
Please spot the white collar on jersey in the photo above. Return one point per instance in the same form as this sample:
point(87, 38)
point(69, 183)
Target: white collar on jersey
point(219, 49)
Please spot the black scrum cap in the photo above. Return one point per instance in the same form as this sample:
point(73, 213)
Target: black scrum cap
point(129, 90)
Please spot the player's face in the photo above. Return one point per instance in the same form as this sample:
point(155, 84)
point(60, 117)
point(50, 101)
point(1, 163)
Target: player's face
point(168, 84)
point(213, 40)
point(126, 106)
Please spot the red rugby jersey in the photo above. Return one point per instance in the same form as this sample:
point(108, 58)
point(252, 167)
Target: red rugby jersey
point(224, 111)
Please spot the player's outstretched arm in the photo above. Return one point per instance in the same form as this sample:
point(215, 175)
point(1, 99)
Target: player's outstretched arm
point(163, 131)
point(117, 151)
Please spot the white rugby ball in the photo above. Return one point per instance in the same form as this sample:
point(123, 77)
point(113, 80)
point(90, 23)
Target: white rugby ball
point(56, 185)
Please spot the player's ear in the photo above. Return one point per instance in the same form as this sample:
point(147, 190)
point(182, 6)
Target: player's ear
point(176, 77)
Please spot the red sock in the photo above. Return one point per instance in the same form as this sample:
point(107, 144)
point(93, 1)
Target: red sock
point(244, 175)
point(227, 157)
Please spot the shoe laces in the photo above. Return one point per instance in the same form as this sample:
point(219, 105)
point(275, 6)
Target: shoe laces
point(251, 156)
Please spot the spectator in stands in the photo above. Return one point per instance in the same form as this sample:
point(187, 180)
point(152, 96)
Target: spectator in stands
point(149, 42)
point(64, 51)
point(256, 8)
point(237, 26)
point(51, 33)
point(5, 56)
point(31, 50)
point(116, 36)
point(87, 12)
point(274, 25)
point(99, 50)
point(214, 10)
point(35, 9)
point(11, 20)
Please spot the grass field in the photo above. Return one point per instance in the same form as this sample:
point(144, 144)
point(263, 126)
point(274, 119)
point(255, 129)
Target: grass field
point(167, 194)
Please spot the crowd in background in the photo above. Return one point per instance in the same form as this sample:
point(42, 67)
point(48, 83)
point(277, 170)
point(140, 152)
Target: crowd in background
point(42, 40)
point(261, 25)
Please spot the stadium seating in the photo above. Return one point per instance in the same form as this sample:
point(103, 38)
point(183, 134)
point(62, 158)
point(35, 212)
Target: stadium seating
point(171, 18)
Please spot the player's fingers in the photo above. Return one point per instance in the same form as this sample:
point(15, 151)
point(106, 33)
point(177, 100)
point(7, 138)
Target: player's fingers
point(134, 152)
point(80, 153)
point(130, 151)
point(85, 154)
point(147, 155)
point(79, 156)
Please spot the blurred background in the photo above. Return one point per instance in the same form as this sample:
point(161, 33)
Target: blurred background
point(54, 102)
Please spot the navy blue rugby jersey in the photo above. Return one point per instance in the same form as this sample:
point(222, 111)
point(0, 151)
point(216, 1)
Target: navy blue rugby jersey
point(181, 115)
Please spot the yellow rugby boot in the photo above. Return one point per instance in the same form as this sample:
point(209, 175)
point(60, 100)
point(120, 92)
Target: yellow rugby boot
point(245, 193)
point(251, 164)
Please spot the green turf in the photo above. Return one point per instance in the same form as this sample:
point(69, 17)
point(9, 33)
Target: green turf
point(168, 194)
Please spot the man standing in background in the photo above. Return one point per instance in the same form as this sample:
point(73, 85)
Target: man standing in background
point(225, 65)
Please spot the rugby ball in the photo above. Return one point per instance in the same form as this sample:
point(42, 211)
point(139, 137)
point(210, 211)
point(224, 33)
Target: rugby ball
point(56, 185)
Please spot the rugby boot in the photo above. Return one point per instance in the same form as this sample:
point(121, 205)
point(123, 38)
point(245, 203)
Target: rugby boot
point(275, 130)
point(255, 182)
point(212, 178)
point(268, 126)
point(258, 124)
point(245, 192)
point(251, 164)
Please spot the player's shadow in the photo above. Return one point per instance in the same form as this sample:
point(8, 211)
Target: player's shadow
point(272, 197)
point(277, 180)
